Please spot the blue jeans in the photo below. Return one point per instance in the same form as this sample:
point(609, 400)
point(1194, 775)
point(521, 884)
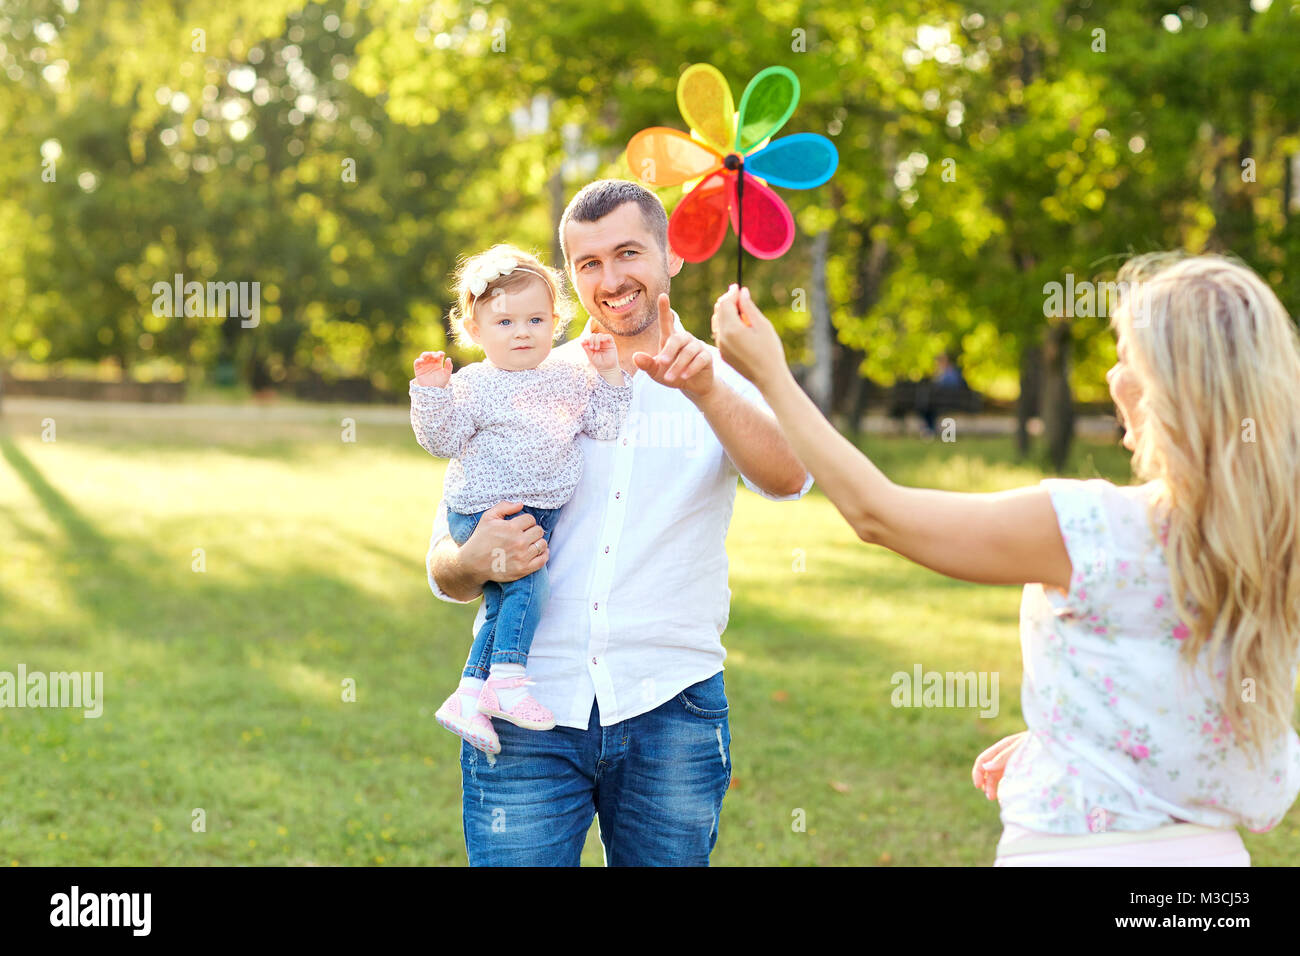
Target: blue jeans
point(513, 609)
point(656, 781)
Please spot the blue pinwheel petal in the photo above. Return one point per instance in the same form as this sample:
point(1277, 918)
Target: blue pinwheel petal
point(799, 161)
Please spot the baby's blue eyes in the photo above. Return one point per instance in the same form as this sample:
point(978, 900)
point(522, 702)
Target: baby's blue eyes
point(535, 320)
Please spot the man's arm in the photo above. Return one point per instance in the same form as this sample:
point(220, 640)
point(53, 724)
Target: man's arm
point(500, 549)
point(753, 441)
point(751, 437)
point(450, 574)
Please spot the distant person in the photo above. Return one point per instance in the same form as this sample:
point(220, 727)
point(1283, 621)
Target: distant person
point(947, 377)
point(1160, 623)
point(947, 373)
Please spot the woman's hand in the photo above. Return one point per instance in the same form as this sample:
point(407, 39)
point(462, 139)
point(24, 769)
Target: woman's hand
point(987, 772)
point(747, 340)
point(433, 369)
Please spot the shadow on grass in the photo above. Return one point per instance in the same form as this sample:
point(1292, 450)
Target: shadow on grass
point(192, 662)
point(75, 527)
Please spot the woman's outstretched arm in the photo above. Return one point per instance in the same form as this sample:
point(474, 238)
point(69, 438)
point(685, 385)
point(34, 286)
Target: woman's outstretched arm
point(1009, 537)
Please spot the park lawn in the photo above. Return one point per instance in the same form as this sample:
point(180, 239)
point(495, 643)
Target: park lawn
point(223, 688)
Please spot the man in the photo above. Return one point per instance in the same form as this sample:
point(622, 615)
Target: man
point(628, 654)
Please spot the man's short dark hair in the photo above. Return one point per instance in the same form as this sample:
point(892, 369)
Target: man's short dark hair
point(597, 200)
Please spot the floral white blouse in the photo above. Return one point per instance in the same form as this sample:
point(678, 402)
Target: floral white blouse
point(513, 435)
point(1122, 734)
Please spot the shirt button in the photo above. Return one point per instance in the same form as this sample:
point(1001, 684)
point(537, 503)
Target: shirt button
point(607, 549)
point(595, 605)
point(618, 494)
point(593, 660)
point(624, 441)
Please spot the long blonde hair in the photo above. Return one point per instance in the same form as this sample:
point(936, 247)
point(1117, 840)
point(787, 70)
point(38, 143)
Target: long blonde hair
point(1218, 425)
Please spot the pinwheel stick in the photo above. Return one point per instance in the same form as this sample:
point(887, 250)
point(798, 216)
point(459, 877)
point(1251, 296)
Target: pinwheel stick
point(737, 163)
point(740, 226)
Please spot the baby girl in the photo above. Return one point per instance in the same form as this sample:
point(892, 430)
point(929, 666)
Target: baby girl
point(510, 426)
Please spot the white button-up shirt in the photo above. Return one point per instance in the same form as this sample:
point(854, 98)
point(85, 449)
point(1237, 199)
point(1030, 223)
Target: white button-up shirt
point(638, 562)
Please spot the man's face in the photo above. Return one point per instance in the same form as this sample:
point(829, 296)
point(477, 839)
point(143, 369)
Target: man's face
point(618, 269)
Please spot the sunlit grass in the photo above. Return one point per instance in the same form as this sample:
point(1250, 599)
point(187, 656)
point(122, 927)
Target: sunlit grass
point(224, 686)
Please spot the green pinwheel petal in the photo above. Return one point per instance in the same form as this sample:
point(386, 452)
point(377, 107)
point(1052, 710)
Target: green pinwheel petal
point(767, 103)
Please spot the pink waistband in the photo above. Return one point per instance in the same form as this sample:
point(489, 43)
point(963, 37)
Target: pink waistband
point(1167, 846)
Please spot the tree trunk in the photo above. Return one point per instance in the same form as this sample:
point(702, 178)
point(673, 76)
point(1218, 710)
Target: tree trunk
point(850, 392)
point(1027, 403)
point(556, 188)
point(823, 333)
point(1058, 404)
point(1290, 193)
point(854, 392)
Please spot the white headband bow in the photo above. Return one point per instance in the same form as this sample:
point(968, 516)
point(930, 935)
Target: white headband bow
point(494, 270)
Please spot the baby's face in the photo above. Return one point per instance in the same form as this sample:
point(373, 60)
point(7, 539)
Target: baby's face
point(515, 328)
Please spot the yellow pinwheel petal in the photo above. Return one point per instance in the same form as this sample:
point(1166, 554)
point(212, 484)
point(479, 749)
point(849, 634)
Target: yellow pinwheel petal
point(704, 98)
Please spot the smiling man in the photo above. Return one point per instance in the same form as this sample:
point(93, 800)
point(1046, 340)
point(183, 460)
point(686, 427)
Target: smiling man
point(628, 654)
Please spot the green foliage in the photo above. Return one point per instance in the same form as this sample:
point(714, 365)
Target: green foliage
point(987, 148)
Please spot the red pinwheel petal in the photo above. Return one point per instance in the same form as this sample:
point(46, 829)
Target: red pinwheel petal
point(662, 156)
point(768, 226)
point(699, 223)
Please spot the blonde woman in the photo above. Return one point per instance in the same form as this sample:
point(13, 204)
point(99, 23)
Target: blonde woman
point(1160, 623)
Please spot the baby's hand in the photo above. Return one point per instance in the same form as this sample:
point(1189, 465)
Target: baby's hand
point(601, 351)
point(433, 369)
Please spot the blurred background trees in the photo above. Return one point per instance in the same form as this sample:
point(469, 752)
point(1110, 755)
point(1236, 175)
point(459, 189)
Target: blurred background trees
point(344, 154)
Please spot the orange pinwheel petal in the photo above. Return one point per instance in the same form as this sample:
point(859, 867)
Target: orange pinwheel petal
point(661, 156)
point(704, 98)
point(699, 223)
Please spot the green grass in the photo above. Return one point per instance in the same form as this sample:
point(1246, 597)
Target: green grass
point(223, 688)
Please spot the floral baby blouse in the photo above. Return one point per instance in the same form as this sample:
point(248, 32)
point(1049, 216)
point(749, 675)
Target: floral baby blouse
point(1122, 734)
point(513, 435)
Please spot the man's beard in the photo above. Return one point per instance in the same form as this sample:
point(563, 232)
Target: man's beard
point(635, 322)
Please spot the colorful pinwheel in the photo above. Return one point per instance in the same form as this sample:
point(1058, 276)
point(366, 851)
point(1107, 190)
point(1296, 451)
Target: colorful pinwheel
point(727, 162)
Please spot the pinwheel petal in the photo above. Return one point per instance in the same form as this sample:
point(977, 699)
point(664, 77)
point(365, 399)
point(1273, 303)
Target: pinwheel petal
point(704, 98)
point(767, 103)
point(801, 161)
point(699, 223)
point(768, 226)
point(661, 156)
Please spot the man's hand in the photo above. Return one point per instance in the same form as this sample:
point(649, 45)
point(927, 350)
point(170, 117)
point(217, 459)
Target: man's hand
point(683, 361)
point(502, 548)
point(433, 369)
